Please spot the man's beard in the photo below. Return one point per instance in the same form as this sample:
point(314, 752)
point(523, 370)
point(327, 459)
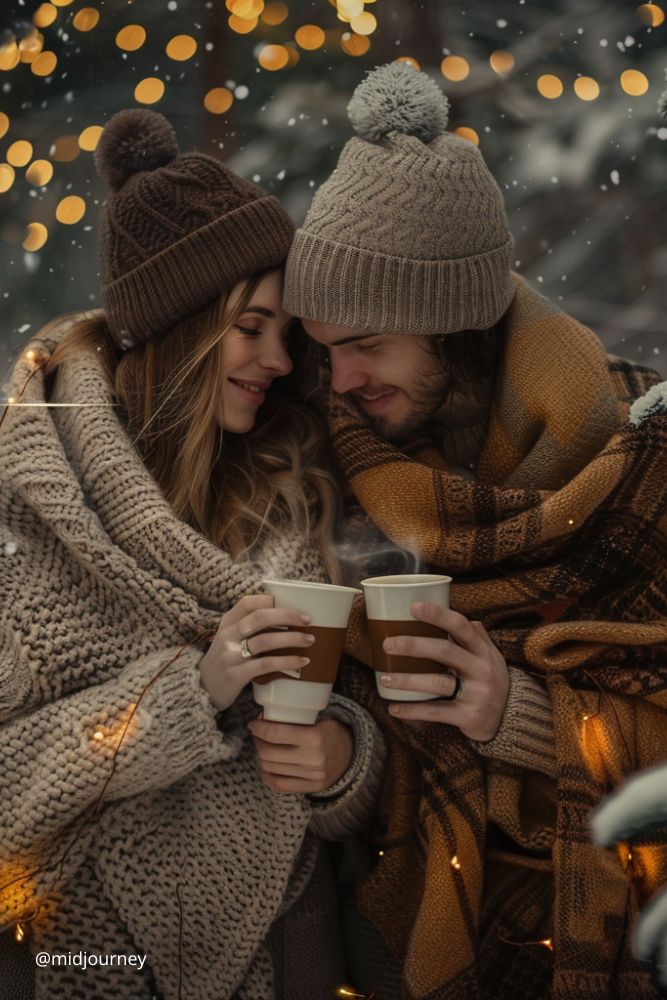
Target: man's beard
point(426, 393)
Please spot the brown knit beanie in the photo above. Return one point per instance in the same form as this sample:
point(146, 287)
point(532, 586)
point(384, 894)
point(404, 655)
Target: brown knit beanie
point(177, 229)
point(409, 234)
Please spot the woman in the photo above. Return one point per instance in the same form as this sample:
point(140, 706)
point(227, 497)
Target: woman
point(142, 827)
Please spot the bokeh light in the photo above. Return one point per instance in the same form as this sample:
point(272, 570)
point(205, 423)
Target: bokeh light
point(62, 3)
point(45, 15)
point(10, 56)
point(410, 61)
point(365, 24)
point(549, 86)
point(275, 13)
point(347, 9)
point(651, 15)
point(71, 210)
point(86, 19)
point(273, 57)
point(355, 45)
point(7, 175)
point(65, 149)
point(242, 26)
point(454, 68)
point(467, 133)
point(131, 37)
point(501, 62)
point(4, 124)
point(218, 100)
point(149, 91)
point(31, 46)
point(586, 88)
point(36, 236)
point(181, 47)
point(246, 9)
point(19, 153)
point(634, 82)
point(90, 137)
point(39, 173)
point(44, 64)
point(310, 37)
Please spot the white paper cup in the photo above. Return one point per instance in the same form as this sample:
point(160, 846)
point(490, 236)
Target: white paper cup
point(288, 699)
point(388, 600)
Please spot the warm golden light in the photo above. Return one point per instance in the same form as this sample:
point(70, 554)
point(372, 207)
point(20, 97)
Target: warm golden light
point(501, 62)
point(365, 24)
point(7, 175)
point(65, 149)
point(247, 10)
point(586, 89)
point(651, 15)
point(86, 19)
point(242, 26)
point(131, 37)
point(19, 153)
point(90, 137)
point(273, 57)
point(549, 86)
point(44, 64)
point(455, 863)
point(45, 15)
point(181, 47)
point(310, 37)
point(292, 54)
point(10, 56)
point(350, 8)
point(98, 735)
point(275, 13)
point(548, 943)
point(467, 133)
point(31, 46)
point(455, 68)
point(633, 82)
point(71, 210)
point(149, 91)
point(36, 236)
point(19, 933)
point(218, 100)
point(62, 3)
point(410, 61)
point(4, 124)
point(355, 45)
point(39, 173)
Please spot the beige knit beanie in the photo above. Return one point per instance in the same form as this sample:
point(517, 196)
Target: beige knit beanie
point(409, 234)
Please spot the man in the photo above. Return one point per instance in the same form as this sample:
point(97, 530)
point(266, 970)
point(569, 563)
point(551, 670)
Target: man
point(484, 430)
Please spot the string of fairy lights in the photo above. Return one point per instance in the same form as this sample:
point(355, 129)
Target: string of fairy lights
point(352, 35)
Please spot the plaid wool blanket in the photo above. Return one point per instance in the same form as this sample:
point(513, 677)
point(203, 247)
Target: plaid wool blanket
point(488, 884)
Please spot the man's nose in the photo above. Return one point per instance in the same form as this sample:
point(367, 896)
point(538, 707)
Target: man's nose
point(346, 375)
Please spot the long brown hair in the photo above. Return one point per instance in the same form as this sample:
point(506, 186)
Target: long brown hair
point(234, 488)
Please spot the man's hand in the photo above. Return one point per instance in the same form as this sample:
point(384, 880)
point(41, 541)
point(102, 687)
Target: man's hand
point(302, 758)
point(640, 806)
point(470, 653)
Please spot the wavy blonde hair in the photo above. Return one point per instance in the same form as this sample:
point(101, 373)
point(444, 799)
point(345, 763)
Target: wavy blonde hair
point(238, 490)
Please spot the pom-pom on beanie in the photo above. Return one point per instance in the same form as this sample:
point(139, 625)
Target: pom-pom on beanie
point(177, 229)
point(409, 234)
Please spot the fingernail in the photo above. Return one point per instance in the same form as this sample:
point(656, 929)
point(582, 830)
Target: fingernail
point(310, 639)
point(306, 619)
point(418, 608)
point(296, 674)
point(389, 645)
point(394, 710)
point(385, 679)
point(304, 661)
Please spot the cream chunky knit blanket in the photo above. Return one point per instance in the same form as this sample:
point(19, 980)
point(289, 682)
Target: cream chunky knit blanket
point(170, 846)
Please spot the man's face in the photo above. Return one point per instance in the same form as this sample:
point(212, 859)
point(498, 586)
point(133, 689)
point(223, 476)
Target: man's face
point(397, 380)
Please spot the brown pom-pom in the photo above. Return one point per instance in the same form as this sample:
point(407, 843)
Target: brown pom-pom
point(134, 140)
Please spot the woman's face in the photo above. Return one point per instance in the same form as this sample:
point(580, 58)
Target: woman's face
point(254, 353)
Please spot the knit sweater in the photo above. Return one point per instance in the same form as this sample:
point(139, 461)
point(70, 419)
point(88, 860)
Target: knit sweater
point(134, 818)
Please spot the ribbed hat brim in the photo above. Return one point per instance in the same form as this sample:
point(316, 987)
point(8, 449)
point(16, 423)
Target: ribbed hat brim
point(348, 286)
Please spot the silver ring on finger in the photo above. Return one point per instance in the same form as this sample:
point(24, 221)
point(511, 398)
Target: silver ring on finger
point(246, 651)
point(458, 684)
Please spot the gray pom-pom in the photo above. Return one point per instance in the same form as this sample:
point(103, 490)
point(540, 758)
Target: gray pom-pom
point(397, 98)
point(134, 140)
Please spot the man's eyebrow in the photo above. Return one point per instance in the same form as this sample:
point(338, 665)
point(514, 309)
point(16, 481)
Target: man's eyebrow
point(350, 340)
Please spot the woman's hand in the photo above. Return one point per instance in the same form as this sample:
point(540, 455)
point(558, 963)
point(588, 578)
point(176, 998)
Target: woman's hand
point(302, 758)
point(224, 671)
point(469, 652)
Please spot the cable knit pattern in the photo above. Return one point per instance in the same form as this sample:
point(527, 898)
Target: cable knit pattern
point(172, 846)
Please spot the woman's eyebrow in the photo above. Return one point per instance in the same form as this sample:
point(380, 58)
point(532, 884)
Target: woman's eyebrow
point(261, 310)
